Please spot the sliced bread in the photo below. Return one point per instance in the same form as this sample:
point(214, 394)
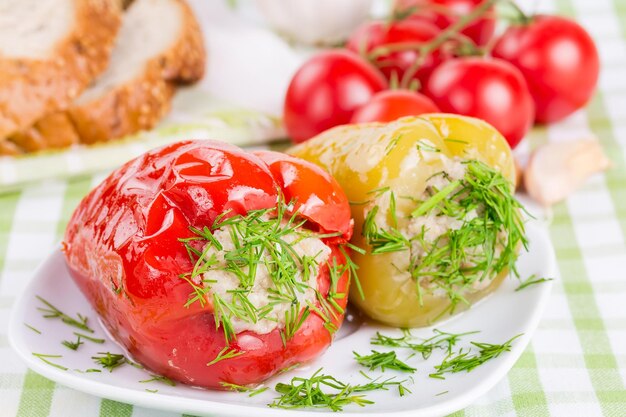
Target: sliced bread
point(159, 46)
point(50, 51)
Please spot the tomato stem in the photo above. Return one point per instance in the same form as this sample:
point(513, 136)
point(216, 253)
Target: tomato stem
point(520, 17)
point(443, 37)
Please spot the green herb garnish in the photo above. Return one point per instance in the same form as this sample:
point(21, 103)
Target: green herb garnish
point(242, 388)
point(441, 340)
point(467, 360)
point(226, 353)
point(72, 345)
point(532, 280)
point(325, 391)
point(109, 360)
point(45, 358)
point(32, 328)
point(383, 240)
point(259, 239)
point(88, 371)
point(91, 339)
point(159, 378)
point(487, 241)
point(383, 360)
point(53, 312)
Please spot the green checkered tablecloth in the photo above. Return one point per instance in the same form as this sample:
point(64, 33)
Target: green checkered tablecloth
point(576, 362)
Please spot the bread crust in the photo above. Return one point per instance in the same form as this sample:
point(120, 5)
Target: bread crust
point(138, 104)
point(33, 88)
point(184, 62)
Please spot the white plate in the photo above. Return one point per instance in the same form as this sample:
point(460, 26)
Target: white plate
point(501, 316)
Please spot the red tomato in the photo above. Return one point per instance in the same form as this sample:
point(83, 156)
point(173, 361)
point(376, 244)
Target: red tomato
point(444, 13)
point(122, 248)
point(374, 36)
point(559, 61)
point(326, 91)
point(390, 105)
point(489, 89)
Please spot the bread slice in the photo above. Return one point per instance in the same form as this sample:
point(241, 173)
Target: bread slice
point(50, 50)
point(159, 46)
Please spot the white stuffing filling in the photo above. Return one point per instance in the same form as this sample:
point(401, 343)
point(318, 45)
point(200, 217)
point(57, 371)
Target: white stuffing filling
point(223, 283)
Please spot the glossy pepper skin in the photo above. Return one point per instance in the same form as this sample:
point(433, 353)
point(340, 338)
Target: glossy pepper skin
point(122, 248)
point(372, 156)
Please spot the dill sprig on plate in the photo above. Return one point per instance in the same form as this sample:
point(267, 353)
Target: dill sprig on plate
point(46, 359)
point(455, 360)
point(467, 360)
point(251, 391)
point(325, 391)
point(440, 340)
point(532, 280)
point(51, 311)
point(90, 338)
point(109, 360)
point(72, 345)
point(32, 328)
point(159, 378)
point(259, 240)
point(383, 360)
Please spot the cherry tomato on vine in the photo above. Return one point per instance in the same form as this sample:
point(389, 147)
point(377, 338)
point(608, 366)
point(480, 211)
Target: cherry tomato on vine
point(489, 89)
point(444, 13)
point(390, 105)
point(559, 61)
point(326, 91)
point(393, 47)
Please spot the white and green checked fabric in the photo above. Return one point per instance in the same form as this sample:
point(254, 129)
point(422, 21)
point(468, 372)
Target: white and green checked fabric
point(576, 362)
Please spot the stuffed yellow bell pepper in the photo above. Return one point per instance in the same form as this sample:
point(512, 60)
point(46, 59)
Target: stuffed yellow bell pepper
point(432, 199)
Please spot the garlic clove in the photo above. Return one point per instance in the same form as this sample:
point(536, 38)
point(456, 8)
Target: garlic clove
point(556, 170)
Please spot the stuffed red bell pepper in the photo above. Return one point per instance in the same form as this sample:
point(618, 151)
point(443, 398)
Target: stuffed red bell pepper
point(213, 265)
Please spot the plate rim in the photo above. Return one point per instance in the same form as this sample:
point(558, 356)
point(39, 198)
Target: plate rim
point(168, 402)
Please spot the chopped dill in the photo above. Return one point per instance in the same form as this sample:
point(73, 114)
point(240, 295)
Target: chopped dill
point(441, 340)
point(486, 243)
point(532, 280)
point(109, 360)
point(456, 360)
point(52, 312)
point(226, 353)
point(242, 388)
point(259, 239)
point(159, 378)
point(88, 371)
point(32, 328)
point(383, 360)
point(325, 391)
point(72, 345)
point(467, 360)
point(45, 358)
point(90, 338)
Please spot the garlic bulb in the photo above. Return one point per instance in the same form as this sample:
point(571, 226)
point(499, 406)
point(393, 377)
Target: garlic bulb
point(315, 22)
